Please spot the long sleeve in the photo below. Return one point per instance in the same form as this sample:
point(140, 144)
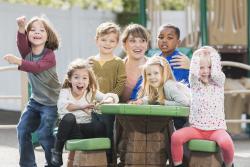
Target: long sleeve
point(101, 96)
point(23, 44)
point(66, 98)
point(216, 73)
point(176, 93)
point(194, 71)
point(111, 75)
point(172, 103)
point(47, 61)
point(121, 79)
point(63, 101)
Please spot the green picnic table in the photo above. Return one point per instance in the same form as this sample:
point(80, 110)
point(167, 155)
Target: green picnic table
point(142, 132)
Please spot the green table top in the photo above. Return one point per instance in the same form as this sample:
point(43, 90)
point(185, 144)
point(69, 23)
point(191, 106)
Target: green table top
point(154, 110)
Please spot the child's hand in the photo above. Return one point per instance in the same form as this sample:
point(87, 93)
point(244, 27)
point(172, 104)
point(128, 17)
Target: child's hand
point(91, 62)
point(87, 108)
point(180, 61)
point(12, 59)
point(108, 100)
point(21, 22)
point(137, 102)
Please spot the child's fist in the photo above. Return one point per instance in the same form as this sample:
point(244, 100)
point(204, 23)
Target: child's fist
point(12, 59)
point(21, 22)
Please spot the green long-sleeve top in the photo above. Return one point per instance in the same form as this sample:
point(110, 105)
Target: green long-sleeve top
point(111, 76)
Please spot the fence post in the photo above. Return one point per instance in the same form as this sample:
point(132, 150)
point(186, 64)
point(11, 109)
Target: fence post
point(24, 90)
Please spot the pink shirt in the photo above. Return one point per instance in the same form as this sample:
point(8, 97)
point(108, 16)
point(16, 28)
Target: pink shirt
point(207, 101)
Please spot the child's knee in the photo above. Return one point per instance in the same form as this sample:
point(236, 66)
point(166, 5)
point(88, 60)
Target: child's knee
point(69, 118)
point(176, 138)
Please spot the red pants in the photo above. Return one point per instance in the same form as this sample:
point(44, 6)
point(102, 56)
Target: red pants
point(221, 137)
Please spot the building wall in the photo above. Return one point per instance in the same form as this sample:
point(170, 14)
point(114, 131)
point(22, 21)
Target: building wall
point(76, 28)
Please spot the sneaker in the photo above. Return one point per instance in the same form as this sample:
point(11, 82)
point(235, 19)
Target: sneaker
point(223, 165)
point(56, 158)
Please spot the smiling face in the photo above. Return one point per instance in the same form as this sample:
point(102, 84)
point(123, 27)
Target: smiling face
point(205, 69)
point(154, 75)
point(79, 82)
point(37, 34)
point(135, 47)
point(167, 40)
point(107, 43)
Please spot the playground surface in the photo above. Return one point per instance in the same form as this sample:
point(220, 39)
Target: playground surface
point(10, 156)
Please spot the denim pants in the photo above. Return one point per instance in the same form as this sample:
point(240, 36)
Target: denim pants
point(40, 118)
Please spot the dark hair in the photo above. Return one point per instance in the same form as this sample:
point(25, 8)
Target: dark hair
point(136, 30)
point(53, 38)
point(177, 30)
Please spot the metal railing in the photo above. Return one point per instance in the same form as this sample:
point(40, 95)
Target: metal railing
point(245, 92)
point(24, 87)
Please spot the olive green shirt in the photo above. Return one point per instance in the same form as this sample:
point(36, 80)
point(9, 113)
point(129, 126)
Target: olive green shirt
point(111, 76)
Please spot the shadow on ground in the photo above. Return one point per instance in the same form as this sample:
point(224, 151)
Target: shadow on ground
point(9, 117)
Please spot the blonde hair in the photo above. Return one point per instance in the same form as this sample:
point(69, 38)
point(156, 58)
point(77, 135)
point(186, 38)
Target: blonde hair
point(156, 94)
point(107, 28)
point(82, 64)
point(205, 53)
point(52, 36)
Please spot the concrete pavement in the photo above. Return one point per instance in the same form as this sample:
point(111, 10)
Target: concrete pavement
point(9, 155)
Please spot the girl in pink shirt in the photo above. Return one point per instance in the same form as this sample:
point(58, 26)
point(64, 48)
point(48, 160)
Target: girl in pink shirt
point(207, 118)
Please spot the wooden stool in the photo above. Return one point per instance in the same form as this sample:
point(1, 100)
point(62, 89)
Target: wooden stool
point(204, 153)
point(87, 152)
point(143, 140)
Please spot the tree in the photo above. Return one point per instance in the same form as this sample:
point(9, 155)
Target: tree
point(113, 5)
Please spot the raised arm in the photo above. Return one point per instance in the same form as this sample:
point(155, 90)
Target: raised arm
point(22, 39)
point(194, 70)
point(45, 63)
point(216, 70)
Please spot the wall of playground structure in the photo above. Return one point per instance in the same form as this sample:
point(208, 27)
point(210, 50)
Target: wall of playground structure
point(76, 28)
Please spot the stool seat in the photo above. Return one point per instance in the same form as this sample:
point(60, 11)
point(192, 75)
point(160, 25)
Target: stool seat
point(88, 144)
point(203, 146)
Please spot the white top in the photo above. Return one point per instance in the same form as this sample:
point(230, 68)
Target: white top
point(207, 101)
point(66, 98)
point(176, 93)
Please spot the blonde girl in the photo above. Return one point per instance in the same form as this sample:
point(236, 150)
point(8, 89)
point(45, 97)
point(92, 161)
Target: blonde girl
point(159, 85)
point(207, 118)
point(75, 104)
point(36, 42)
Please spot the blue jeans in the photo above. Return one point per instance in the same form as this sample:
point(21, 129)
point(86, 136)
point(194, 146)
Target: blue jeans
point(40, 118)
